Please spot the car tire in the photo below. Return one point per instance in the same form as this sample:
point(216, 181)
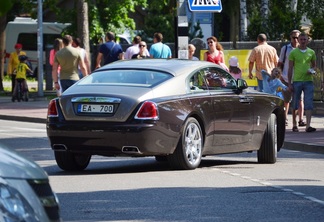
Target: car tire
point(71, 161)
point(268, 150)
point(188, 154)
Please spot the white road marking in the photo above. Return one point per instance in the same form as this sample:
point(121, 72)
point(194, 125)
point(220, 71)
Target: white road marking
point(300, 194)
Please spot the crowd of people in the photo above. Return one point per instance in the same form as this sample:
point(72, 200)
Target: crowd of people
point(288, 75)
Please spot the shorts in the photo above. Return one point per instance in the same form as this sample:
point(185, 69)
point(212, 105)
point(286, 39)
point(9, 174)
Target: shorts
point(306, 88)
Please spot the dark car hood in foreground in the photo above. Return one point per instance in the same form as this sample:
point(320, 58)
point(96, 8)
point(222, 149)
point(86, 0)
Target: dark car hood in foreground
point(13, 165)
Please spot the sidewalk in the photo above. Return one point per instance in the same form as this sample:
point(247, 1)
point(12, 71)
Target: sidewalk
point(35, 110)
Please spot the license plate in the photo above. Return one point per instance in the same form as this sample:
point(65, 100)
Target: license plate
point(93, 108)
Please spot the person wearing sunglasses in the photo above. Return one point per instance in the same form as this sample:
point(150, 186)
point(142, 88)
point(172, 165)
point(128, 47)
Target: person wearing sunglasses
point(134, 49)
point(215, 51)
point(284, 65)
point(142, 54)
point(301, 71)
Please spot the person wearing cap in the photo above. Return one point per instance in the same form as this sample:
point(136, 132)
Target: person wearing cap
point(13, 64)
point(234, 69)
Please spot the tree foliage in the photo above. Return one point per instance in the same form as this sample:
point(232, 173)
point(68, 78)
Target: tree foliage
point(282, 18)
point(279, 22)
point(104, 15)
point(109, 15)
point(160, 18)
point(6, 5)
point(314, 10)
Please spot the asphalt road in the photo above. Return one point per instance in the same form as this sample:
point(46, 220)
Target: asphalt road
point(223, 188)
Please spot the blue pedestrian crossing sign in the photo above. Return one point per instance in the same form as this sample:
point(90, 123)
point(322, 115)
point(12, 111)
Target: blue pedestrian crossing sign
point(205, 5)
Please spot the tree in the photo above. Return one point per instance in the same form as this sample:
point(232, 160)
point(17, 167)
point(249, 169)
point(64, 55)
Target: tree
point(6, 5)
point(314, 10)
point(160, 18)
point(8, 10)
point(226, 23)
point(278, 23)
point(103, 15)
point(83, 24)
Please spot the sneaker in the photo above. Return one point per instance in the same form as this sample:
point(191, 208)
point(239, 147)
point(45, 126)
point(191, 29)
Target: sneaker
point(295, 129)
point(310, 129)
point(301, 123)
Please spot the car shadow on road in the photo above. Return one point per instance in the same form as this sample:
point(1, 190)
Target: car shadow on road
point(138, 165)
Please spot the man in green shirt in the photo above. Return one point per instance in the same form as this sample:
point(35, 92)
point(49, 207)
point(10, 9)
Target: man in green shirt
point(302, 63)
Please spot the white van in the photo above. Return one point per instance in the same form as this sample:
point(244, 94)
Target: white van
point(24, 31)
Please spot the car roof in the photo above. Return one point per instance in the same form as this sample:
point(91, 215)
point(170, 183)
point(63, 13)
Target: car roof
point(173, 66)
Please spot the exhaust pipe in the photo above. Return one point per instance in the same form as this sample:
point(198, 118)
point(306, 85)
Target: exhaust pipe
point(130, 150)
point(59, 147)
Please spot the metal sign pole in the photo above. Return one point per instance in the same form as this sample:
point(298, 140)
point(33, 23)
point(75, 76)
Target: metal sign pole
point(40, 92)
point(182, 30)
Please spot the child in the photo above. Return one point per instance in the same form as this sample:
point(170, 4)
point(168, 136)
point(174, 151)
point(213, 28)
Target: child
point(191, 50)
point(21, 73)
point(272, 82)
point(234, 70)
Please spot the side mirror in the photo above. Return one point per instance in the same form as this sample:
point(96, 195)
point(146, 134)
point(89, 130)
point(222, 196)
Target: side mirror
point(241, 84)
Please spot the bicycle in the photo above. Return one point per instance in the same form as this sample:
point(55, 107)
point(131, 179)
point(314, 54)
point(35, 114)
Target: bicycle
point(21, 93)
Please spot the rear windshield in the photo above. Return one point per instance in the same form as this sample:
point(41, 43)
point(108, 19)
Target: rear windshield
point(144, 78)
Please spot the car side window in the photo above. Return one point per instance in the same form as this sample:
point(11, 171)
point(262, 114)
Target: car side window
point(218, 78)
point(197, 82)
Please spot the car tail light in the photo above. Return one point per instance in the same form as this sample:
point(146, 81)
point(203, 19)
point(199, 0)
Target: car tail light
point(52, 110)
point(148, 110)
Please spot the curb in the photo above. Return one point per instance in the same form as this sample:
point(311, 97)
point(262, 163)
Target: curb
point(23, 119)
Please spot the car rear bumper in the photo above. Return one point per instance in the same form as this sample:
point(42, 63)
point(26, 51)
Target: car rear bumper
point(112, 139)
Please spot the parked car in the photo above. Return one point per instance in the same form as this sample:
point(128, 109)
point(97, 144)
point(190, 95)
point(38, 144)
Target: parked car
point(178, 110)
point(25, 192)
